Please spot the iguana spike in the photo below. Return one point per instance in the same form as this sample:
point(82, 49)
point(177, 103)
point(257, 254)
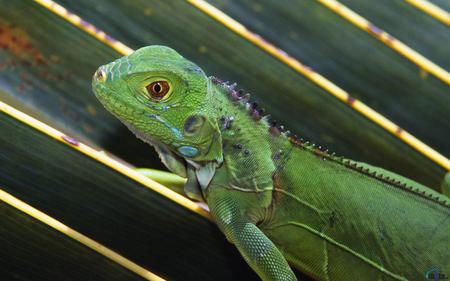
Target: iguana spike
point(216, 80)
point(317, 152)
point(273, 128)
point(255, 115)
point(235, 96)
point(266, 118)
point(274, 131)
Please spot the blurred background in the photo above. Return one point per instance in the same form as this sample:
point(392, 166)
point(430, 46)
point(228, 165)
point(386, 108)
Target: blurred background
point(46, 65)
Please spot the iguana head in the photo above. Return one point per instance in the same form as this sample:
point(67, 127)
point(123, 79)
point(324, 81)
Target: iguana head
point(161, 97)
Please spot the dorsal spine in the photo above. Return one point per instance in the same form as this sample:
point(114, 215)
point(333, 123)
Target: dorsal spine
point(241, 98)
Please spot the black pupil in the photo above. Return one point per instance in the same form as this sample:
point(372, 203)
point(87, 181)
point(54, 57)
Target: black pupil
point(157, 88)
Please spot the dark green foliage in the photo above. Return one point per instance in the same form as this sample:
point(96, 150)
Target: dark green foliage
point(32, 251)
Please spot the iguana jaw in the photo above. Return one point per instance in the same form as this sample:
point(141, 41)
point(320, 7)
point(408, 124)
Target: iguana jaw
point(172, 161)
point(204, 170)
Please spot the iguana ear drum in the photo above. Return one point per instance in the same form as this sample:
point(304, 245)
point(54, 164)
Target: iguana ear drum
point(193, 124)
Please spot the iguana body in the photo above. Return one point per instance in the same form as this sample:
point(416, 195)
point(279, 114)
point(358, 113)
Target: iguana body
point(273, 196)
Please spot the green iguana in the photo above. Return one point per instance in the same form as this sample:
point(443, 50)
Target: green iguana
point(277, 198)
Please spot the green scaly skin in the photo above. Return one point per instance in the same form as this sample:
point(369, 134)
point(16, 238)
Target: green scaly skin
point(277, 198)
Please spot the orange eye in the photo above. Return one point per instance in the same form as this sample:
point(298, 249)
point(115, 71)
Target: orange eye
point(158, 89)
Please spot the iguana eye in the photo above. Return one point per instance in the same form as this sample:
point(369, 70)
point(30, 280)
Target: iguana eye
point(158, 89)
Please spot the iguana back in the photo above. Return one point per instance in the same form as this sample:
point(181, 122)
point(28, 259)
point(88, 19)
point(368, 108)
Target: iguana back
point(356, 222)
point(334, 218)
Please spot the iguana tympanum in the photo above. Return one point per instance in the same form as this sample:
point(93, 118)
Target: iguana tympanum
point(277, 198)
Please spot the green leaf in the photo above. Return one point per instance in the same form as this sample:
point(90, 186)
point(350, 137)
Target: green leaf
point(33, 251)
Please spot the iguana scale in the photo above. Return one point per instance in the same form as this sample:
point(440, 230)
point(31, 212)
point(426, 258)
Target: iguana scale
point(277, 198)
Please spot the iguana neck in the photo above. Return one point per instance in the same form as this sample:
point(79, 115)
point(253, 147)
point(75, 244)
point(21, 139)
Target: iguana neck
point(249, 143)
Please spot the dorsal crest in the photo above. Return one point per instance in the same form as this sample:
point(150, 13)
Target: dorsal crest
point(241, 98)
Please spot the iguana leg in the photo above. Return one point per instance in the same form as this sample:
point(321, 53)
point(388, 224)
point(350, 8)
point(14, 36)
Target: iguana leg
point(174, 182)
point(445, 186)
point(258, 251)
point(189, 187)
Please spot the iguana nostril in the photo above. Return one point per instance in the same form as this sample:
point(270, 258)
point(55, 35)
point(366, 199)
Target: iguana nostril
point(100, 75)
